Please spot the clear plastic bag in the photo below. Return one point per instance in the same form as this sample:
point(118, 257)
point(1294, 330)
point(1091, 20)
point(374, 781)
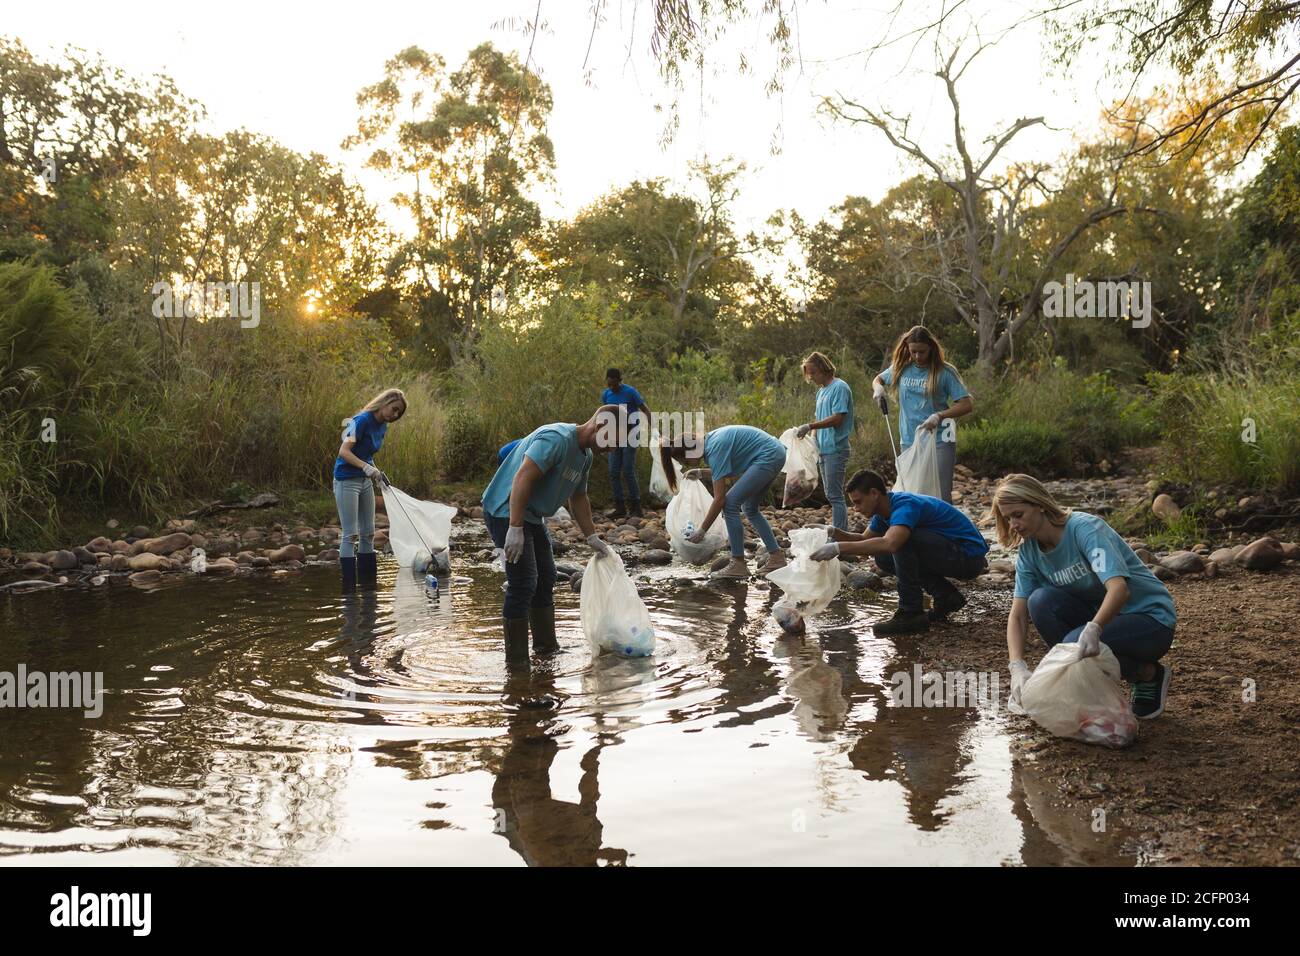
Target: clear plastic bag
point(1080, 698)
point(614, 617)
point(802, 458)
point(809, 585)
point(415, 527)
point(918, 466)
point(658, 478)
point(686, 512)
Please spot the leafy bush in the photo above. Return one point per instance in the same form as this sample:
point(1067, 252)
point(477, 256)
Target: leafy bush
point(1015, 446)
point(467, 447)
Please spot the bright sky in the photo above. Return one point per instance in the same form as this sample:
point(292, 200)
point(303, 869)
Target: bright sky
point(292, 70)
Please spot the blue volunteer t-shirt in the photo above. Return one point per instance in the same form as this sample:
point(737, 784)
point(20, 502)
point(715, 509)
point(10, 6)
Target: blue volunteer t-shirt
point(368, 434)
point(834, 397)
point(1090, 553)
point(564, 466)
point(626, 395)
point(732, 449)
point(921, 512)
point(915, 405)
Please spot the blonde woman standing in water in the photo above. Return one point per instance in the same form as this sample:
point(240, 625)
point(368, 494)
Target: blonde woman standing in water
point(354, 468)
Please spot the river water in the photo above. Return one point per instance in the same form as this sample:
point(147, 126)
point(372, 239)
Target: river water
point(268, 720)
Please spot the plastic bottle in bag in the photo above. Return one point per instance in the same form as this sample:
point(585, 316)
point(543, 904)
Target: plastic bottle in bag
point(801, 466)
point(614, 618)
point(1080, 697)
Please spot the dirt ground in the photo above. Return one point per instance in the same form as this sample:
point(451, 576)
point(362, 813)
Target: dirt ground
point(1215, 780)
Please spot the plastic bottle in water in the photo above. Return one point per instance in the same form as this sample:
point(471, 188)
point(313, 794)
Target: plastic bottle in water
point(431, 583)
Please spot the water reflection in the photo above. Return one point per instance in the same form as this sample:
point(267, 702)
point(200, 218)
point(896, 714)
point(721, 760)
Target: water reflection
point(269, 720)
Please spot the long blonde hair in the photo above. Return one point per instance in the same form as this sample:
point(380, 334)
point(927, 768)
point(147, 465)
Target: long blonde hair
point(935, 362)
point(387, 396)
point(1023, 490)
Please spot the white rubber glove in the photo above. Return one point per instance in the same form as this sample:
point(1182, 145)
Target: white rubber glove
point(1090, 640)
point(931, 423)
point(692, 473)
point(514, 543)
point(877, 391)
point(1019, 675)
point(827, 551)
point(372, 472)
point(599, 546)
point(802, 430)
point(697, 537)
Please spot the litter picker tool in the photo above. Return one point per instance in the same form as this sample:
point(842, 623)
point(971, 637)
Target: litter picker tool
point(884, 410)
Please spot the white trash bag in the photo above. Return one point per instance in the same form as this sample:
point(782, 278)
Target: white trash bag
point(658, 478)
point(614, 617)
point(686, 512)
point(918, 466)
point(1080, 698)
point(809, 585)
point(412, 523)
point(802, 457)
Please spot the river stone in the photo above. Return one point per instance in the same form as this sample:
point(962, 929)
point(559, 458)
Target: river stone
point(261, 562)
point(657, 556)
point(252, 536)
point(1262, 554)
point(33, 568)
point(1224, 555)
point(647, 534)
point(1163, 573)
point(63, 560)
point(175, 541)
point(862, 578)
point(575, 583)
point(1002, 566)
point(145, 577)
point(660, 543)
point(85, 556)
point(222, 566)
point(181, 524)
point(1166, 508)
point(290, 552)
point(1290, 551)
point(1145, 556)
point(245, 557)
point(329, 554)
point(100, 545)
point(564, 567)
point(139, 531)
point(1184, 562)
point(119, 562)
point(559, 547)
point(147, 562)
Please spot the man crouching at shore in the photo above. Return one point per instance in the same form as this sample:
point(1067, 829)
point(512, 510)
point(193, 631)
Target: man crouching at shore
point(923, 540)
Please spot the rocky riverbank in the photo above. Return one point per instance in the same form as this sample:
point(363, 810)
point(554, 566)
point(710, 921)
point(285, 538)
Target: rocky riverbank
point(225, 544)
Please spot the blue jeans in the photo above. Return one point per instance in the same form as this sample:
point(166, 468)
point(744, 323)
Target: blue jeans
point(355, 498)
point(530, 581)
point(925, 563)
point(832, 467)
point(746, 495)
point(622, 462)
point(1136, 639)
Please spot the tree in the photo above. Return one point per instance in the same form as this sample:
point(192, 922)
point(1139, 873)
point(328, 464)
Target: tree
point(1255, 42)
point(673, 258)
point(473, 146)
point(975, 261)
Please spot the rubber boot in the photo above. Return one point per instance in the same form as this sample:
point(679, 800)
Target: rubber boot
point(367, 569)
point(516, 631)
point(618, 512)
point(542, 620)
point(348, 568)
